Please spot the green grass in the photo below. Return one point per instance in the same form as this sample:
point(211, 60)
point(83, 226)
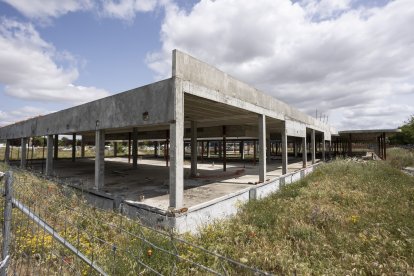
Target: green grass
point(400, 158)
point(345, 218)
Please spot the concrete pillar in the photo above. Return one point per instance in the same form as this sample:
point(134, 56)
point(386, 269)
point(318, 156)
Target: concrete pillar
point(99, 159)
point(73, 147)
point(83, 147)
point(115, 149)
point(49, 156)
point(208, 149)
point(177, 149)
point(268, 149)
point(220, 150)
point(385, 146)
point(304, 153)
point(24, 153)
point(350, 145)
point(156, 148)
point(135, 147)
point(224, 149)
point(56, 147)
point(242, 150)
point(323, 148)
point(7, 152)
point(262, 148)
point(284, 151)
point(313, 146)
point(129, 147)
point(166, 148)
point(295, 148)
point(194, 148)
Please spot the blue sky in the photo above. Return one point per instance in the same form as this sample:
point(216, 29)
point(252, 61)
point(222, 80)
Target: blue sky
point(349, 59)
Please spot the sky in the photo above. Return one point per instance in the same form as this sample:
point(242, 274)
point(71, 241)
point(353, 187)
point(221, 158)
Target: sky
point(350, 61)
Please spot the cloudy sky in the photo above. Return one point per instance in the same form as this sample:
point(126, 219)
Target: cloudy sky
point(351, 60)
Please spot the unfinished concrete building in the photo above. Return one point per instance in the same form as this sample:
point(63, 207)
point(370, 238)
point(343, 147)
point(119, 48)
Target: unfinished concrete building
point(199, 104)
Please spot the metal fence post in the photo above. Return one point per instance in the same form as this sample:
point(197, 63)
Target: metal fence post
point(8, 196)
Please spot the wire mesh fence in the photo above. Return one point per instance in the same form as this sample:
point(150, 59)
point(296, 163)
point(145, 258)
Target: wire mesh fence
point(55, 231)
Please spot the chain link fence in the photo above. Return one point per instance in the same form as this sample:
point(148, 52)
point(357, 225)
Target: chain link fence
point(51, 230)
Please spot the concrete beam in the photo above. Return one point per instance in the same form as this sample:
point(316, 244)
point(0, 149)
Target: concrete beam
point(23, 153)
point(262, 148)
point(135, 148)
point(313, 146)
point(49, 157)
point(194, 148)
point(177, 148)
point(99, 159)
point(284, 152)
point(304, 153)
point(128, 106)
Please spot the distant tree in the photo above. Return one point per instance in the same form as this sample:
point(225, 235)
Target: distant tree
point(406, 136)
point(39, 141)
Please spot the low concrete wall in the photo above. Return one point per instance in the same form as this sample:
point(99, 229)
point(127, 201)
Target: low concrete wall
point(206, 213)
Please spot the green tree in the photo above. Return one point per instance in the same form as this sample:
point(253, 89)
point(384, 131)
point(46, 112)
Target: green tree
point(406, 136)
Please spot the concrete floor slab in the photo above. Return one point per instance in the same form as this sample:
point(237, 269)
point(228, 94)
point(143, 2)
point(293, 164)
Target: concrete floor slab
point(148, 184)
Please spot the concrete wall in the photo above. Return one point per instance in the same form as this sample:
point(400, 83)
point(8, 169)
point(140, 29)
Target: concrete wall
point(203, 214)
point(120, 110)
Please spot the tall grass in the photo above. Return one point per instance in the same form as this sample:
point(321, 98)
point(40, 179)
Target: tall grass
point(400, 158)
point(345, 218)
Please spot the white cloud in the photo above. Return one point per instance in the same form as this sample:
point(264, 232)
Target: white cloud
point(126, 9)
point(321, 55)
point(20, 114)
point(28, 68)
point(44, 9)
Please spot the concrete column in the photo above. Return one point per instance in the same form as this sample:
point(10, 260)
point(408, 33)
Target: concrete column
point(224, 149)
point(49, 156)
point(194, 148)
point(7, 152)
point(135, 147)
point(330, 149)
point(268, 149)
point(56, 147)
point(83, 147)
point(295, 148)
point(323, 148)
point(177, 149)
point(284, 151)
point(313, 146)
point(220, 150)
point(24, 153)
point(350, 145)
point(115, 149)
point(262, 148)
point(242, 150)
point(156, 148)
point(304, 153)
point(73, 147)
point(208, 149)
point(99, 159)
